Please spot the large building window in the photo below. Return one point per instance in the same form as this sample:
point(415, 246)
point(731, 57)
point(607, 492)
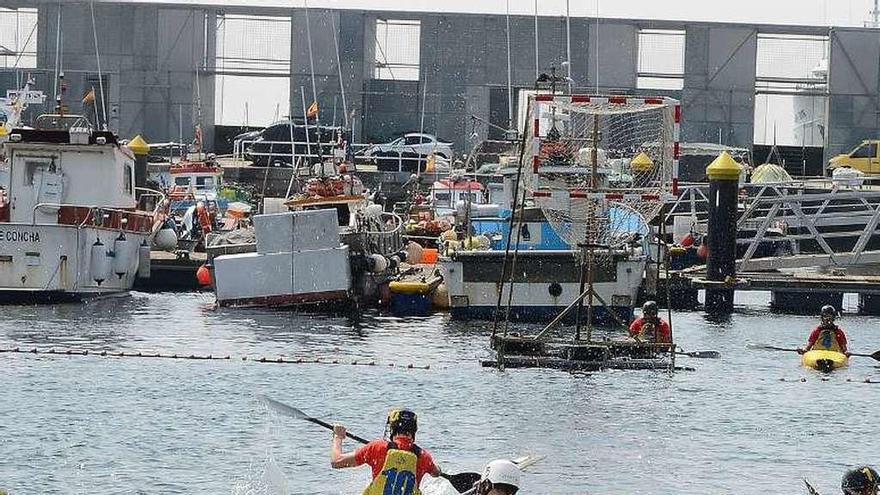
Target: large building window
point(397, 49)
point(18, 38)
point(661, 59)
point(253, 69)
point(791, 85)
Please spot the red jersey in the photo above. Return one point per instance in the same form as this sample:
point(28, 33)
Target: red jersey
point(663, 332)
point(374, 453)
point(838, 334)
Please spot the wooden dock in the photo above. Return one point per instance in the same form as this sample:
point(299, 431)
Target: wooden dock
point(798, 291)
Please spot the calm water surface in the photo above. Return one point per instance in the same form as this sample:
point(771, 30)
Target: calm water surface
point(744, 424)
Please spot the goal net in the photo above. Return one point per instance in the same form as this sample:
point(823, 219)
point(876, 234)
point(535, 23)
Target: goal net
point(600, 167)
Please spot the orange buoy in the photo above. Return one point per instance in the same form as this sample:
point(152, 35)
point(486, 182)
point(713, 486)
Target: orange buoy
point(703, 251)
point(203, 275)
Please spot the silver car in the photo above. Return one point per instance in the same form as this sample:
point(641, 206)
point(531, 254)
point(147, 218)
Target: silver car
point(409, 145)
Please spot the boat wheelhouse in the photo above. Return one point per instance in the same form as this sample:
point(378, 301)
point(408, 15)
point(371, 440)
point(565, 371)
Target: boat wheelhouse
point(71, 227)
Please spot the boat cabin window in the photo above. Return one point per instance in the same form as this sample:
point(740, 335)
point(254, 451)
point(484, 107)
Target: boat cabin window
point(31, 167)
point(181, 181)
point(411, 140)
point(442, 197)
point(204, 182)
point(127, 179)
point(463, 196)
point(865, 151)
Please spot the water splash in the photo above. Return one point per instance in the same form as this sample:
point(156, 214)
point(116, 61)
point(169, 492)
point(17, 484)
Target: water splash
point(263, 477)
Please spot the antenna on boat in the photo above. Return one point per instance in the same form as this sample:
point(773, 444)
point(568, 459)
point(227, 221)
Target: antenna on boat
point(537, 69)
point(59, 97)
point(100, 76)
point(339, 71)
point(509, 73)
point(314, 87)
point(58, 66)
point(197, 139)
point(567, 43)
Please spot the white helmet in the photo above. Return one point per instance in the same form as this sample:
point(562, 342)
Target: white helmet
point(502, 472)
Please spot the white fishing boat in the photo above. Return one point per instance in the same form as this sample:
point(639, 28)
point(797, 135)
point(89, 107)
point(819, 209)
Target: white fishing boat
point(62, 236)
point(574, 229)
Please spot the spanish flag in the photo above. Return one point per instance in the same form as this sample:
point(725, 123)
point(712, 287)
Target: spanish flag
point(89, 98)
point(312, 112)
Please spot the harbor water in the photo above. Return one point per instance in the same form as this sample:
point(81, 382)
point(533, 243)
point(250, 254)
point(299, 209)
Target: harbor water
point(752, 422)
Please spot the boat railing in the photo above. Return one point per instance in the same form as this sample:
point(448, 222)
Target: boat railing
point(94, 213)
point(386, 242)
point(149, 199)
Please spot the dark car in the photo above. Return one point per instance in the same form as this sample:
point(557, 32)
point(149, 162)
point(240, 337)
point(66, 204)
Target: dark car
point(271, 146)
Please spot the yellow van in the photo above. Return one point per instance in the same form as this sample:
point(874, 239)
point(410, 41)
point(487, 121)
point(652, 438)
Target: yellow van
point(863, 158)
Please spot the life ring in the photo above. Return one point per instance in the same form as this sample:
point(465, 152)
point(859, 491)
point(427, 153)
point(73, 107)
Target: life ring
point(204, 219)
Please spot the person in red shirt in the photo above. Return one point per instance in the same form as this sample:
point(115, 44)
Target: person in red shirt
point(650, 327)
point(827, 336)
point(396, 461)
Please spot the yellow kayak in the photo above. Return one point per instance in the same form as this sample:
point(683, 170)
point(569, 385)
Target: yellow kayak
point(824, 360)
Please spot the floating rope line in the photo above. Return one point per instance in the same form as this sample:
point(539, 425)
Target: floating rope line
point(208, 357)
point(825, 379)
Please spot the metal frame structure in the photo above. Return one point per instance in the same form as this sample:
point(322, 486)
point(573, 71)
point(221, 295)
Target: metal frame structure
point(796, 211)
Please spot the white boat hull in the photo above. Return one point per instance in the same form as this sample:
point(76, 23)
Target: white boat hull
point(42, 262)
point(545, 284)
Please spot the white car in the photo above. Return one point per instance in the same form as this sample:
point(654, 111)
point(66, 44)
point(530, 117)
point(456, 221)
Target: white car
point(411, 145)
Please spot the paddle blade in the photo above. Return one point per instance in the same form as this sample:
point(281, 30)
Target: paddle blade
point(462, 482)
point(527, 460)
point(705, 354)
point(876, 356)
point(284, 409)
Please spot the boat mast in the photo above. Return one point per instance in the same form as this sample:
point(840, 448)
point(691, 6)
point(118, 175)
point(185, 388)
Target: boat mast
point(100, 76)
point(509, 73)
point(537, 70)
point(314, 85)
point(567, 43)
point(339, 71)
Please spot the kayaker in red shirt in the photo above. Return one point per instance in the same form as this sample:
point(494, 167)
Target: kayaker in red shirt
point(827, 336)
point(397, 463)
point(650, 327)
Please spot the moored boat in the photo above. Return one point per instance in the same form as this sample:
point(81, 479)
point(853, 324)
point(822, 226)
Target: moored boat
point(62, 238)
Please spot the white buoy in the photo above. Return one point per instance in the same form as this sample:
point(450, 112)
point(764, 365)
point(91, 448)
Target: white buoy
point(99, 266)
point(121, 255)
point(380, 264)
point(143, 270)
point(166, 237)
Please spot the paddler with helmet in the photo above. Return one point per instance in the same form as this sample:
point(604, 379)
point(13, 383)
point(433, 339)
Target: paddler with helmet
point(650, 327)
point(398, 464)
point(501, 477)
point(860, 481)
point(827, 336)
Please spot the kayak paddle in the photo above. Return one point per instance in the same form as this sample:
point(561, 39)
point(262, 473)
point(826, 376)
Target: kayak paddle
point(810, 488)
point(462, 482)
point(875, 356)
point(700, 354)
point(771, 348)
